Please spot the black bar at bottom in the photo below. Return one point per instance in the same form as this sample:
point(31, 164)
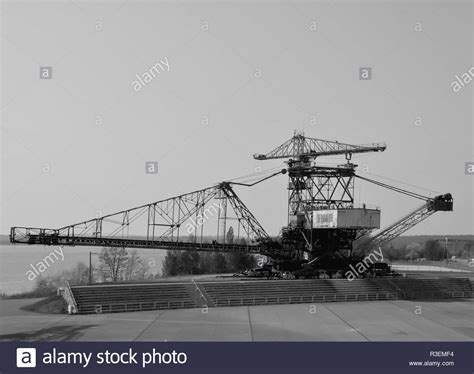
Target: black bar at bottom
point(217, 357)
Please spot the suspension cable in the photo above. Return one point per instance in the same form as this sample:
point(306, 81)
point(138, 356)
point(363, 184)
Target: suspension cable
point(249, 177)
point(283, 171)
point(396, 189)
point(406, 184)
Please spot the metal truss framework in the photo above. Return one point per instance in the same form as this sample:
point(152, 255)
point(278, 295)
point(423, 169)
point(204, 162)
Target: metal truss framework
point(431, 205)
point(313, 188)
point(399, 227)
point(159, 225)
point(300, 145)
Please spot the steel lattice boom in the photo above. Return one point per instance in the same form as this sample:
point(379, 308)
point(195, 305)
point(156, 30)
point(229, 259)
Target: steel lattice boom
point(439, 203)
point(160, 225)
point(302, 146)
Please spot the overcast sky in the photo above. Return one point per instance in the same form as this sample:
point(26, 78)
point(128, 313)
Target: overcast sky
point(241, 77)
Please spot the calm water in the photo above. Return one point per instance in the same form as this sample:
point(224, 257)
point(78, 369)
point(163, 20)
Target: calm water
point(15, 262)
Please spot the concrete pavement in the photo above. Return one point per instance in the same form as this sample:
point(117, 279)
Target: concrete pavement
point(398, 320)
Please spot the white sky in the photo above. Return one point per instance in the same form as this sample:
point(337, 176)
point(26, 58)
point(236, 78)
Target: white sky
point(212, 73)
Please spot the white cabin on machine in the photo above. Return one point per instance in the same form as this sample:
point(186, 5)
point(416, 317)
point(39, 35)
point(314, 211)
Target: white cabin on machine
point(351, 218)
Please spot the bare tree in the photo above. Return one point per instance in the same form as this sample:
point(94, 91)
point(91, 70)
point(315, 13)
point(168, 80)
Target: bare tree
point(136, 267)
point(113, 262)
point(230, 236)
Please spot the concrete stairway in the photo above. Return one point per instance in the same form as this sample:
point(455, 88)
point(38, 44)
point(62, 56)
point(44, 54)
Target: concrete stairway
point(430, 288)
point(295, 291)
point(132, 297)
point(177, 295)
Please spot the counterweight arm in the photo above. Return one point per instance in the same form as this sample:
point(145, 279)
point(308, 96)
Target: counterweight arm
point(431, 206)
point(301, 146)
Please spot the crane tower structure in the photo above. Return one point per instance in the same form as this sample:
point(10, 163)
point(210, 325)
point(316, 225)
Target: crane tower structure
point(322, 216)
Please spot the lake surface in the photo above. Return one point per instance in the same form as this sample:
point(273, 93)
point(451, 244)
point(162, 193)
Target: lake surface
point(16, 261)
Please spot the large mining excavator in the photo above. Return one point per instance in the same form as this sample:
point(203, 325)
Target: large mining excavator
point(326, 232)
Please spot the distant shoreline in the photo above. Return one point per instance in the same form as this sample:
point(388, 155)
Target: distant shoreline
point(403, 239)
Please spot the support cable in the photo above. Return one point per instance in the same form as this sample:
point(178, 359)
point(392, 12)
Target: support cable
point(397, 189)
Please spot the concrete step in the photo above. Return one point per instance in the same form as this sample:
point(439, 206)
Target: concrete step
point(136, 297)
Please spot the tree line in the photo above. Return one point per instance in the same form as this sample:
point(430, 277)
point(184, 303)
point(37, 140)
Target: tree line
point(431, 250)
point(190, 262)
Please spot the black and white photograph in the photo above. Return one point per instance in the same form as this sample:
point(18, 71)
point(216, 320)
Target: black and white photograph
point(253, 186)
